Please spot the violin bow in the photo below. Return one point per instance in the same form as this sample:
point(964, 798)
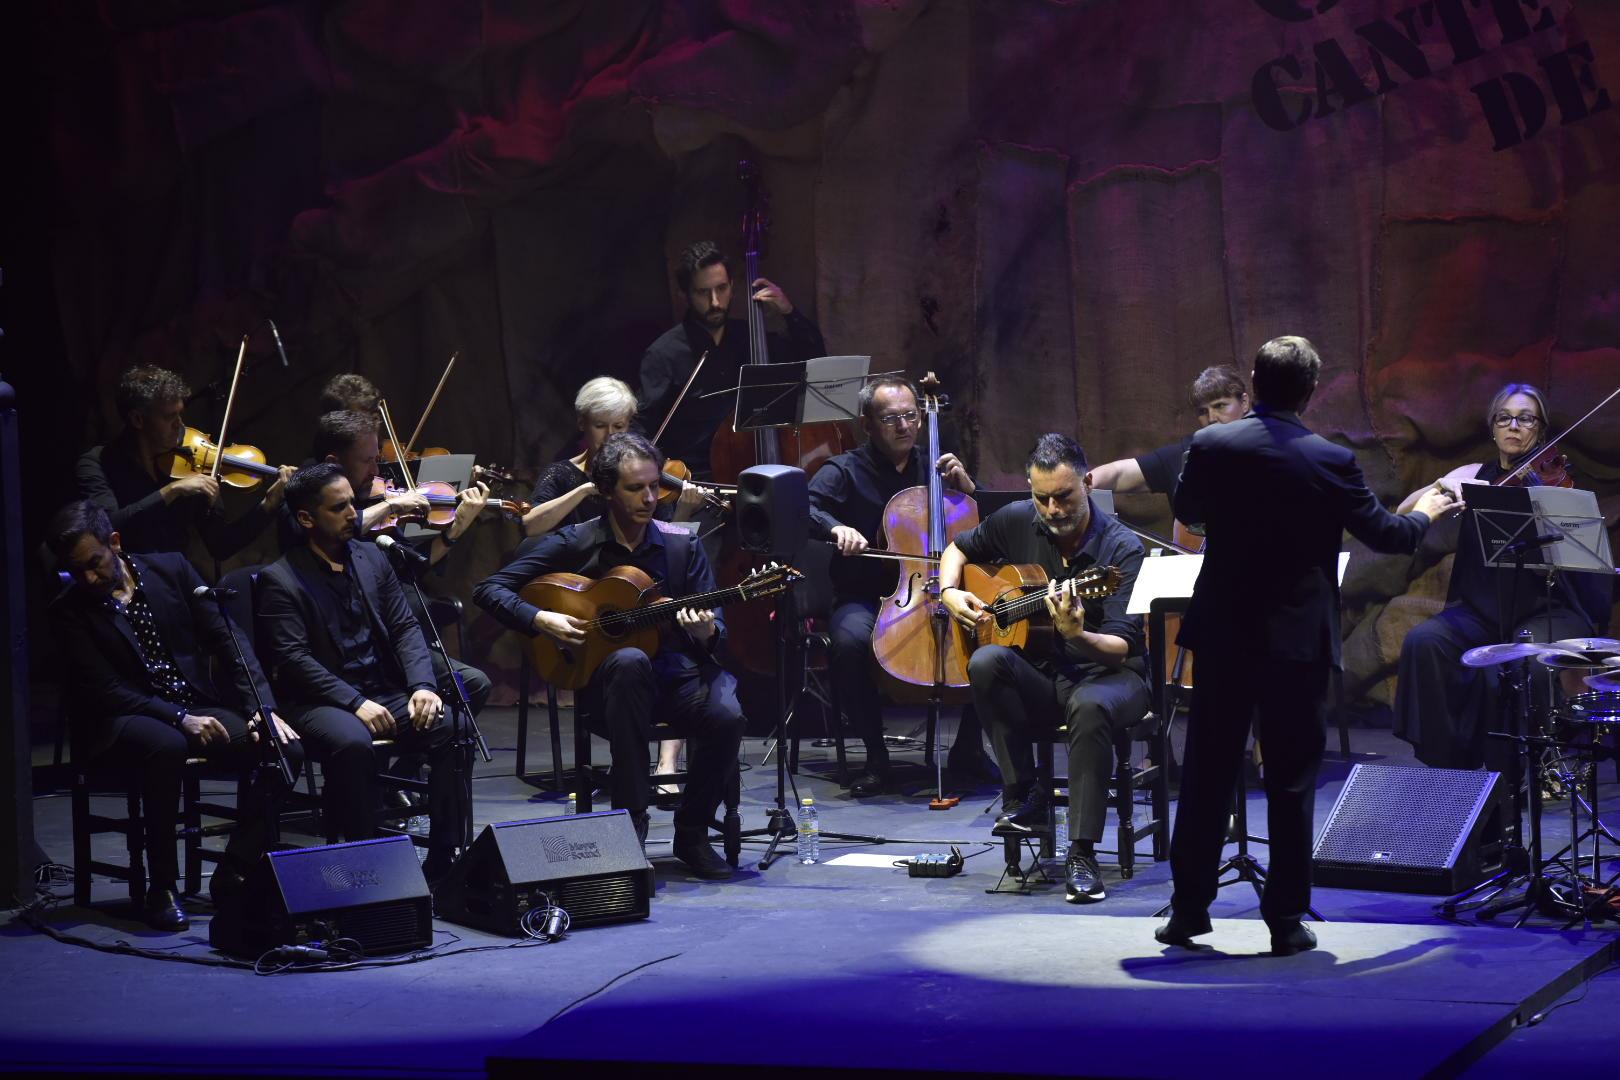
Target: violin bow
point(388, 425)
point(680, 397)
point(427, 412)
point(1530, 457)
point(230, 402)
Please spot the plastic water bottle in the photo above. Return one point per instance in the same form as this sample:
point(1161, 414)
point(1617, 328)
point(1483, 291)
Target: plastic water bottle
point(1060, 831)
point(809, 833)
point(573, 803)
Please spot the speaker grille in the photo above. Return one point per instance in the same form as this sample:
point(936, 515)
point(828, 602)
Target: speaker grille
point(387, 928)
point(604, 899)
point(1396, 817)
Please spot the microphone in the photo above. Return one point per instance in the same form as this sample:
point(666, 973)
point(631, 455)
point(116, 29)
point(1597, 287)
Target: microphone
point(410, 555)
point(203, 592)
point(281, 352)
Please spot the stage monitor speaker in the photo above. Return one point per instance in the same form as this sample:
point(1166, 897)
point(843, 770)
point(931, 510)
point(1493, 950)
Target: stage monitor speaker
point(1418, 830)
point(371, 891)
point(590, 865)
point(773, 510)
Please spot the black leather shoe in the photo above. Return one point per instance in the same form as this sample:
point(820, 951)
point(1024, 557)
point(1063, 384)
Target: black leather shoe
point(869, 783)
point(700, 858)
point(1291, 939)
point(162, 911)
point(1084, 884)
point(225, 884)
point(1181, 931)
point(1026, 817)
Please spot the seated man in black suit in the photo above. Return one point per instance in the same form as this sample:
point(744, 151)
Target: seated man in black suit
point(684, 681)
point(137, 639)
point(1087, 674)
point(350, 664)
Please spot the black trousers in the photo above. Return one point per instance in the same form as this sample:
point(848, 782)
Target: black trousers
point(700, 704)
point(1443, 708)
point(156, 753)
point(1022, 702)
point(1231, 694)
point(342, 744)
point(851, 667)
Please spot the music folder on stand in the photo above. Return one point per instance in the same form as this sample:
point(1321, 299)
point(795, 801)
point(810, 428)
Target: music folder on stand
point(821, 390)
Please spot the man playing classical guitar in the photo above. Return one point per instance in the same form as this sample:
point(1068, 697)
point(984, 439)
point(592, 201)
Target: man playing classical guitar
point(1088, 676)
point(683, 681)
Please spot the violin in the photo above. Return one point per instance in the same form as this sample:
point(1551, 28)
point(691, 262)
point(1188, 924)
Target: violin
point(1546, 467)
point(238, 465)
point(388, 452)
point(676, 475)
point(442, 500)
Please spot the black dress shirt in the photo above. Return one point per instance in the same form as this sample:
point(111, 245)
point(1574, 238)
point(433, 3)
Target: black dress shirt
point(590, 549)
point(1014, 534)
point(113, 478)
point(338, 595)
point(852, 489)
point(669, 361)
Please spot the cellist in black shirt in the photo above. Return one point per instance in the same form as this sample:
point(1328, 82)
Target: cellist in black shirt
point(847, 498)
point(704, 276)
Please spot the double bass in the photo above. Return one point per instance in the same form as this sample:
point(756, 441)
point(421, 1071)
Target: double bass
point(808, 446)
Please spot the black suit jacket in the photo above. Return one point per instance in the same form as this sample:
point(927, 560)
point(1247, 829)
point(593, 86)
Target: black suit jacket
point(1275, 499)
point(303, 654)
point(106, 677)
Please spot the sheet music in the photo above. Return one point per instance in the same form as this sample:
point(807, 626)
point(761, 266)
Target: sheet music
point(1173, 576)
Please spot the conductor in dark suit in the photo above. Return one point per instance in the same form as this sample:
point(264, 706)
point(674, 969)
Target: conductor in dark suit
point(137, 642)
point(350, 664)
point(1274, 500)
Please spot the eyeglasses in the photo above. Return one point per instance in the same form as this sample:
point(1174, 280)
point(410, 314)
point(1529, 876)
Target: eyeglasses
point(895, 419)
point(1526, 420)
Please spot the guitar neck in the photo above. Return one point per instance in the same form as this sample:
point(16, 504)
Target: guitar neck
point(660, 610)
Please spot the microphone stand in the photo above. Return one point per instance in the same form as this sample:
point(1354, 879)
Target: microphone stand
point(216, 389)
point(464, 731)
point(273, 759)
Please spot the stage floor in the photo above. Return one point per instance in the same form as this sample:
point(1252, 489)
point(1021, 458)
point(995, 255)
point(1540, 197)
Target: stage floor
point(834, 966)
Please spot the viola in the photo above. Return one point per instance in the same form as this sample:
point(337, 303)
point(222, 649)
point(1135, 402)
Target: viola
point(238, 465)
point(911, 637)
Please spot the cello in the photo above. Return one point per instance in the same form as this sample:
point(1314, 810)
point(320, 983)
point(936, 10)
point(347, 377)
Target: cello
point(911, 638)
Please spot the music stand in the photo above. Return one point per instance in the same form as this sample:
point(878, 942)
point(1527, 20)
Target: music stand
point(826, 388)
point(1512, 519)
point(453, 469)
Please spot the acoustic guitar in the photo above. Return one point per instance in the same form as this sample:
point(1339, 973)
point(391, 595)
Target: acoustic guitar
point(622, 609)
point(1014, 593)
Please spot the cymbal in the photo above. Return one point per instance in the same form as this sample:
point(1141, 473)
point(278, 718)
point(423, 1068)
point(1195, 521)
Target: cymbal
point(1603, 680)
point(1578, 661)
point(1590, 644)
point(1491, 655)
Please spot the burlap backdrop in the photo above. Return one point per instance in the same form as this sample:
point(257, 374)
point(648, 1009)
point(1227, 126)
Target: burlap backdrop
point(1066, 209)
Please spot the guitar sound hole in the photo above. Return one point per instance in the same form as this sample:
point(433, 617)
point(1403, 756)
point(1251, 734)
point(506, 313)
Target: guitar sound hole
point(607, 631)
